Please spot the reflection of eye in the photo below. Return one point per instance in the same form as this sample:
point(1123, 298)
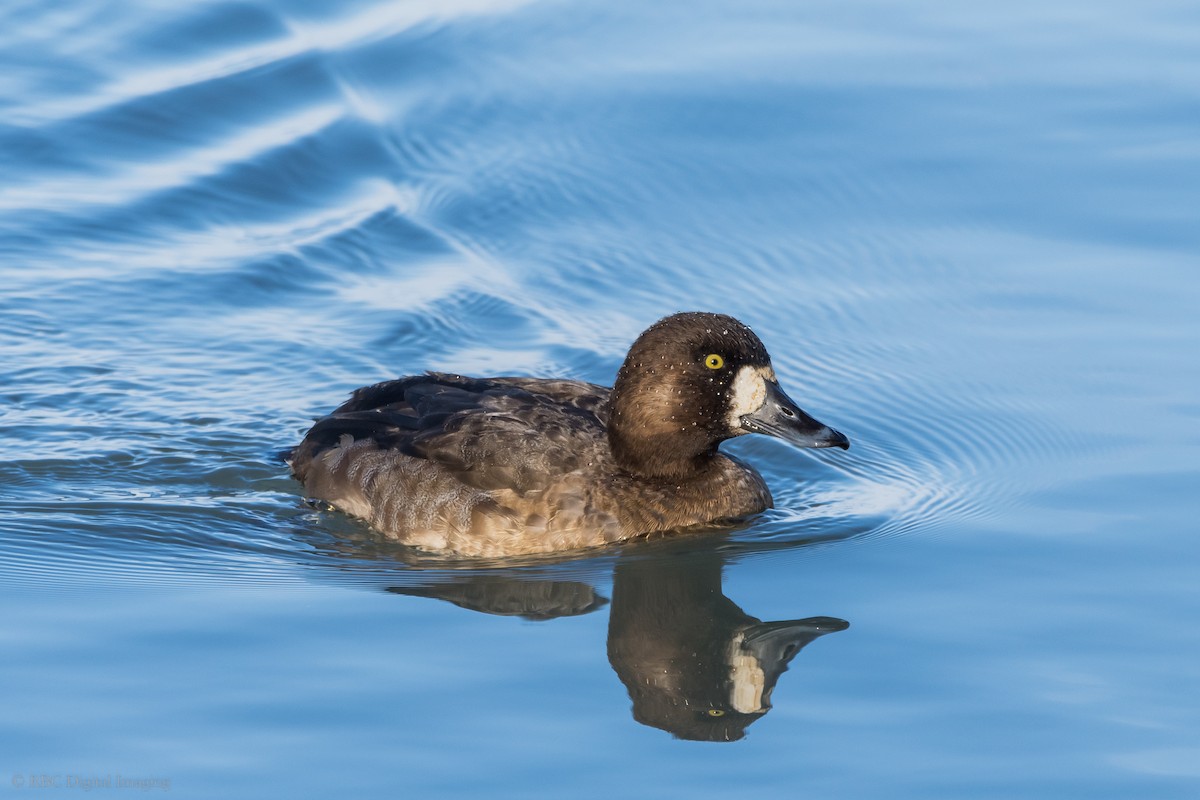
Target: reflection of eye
point(715, 712)
point(714, 361)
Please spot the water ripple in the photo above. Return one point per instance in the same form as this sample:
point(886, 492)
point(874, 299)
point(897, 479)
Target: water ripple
point(247, 210)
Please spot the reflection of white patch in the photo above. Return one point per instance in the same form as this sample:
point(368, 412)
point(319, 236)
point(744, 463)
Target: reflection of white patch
point(748, 393)
point(748, 679)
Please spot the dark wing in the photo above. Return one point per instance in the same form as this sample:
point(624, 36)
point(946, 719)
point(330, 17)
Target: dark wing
point(491, 434)
point(576, 394)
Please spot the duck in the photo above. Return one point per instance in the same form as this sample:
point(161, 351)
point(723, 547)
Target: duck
point(694, 663)
point(514, 466)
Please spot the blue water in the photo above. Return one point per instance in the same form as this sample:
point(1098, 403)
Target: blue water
point(968, 235)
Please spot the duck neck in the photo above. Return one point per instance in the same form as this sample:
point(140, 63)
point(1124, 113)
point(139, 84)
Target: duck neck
point(647, 445)
point(658, 466)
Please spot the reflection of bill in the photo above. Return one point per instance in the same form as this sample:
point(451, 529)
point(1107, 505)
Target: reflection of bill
point(694, 663)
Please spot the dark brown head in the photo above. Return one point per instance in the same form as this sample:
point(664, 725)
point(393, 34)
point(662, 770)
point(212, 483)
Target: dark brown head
point(690, 382)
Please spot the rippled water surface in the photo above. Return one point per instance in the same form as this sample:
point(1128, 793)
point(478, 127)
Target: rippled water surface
point(968, 235)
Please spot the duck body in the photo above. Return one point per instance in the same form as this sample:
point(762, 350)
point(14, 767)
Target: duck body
point(492, 467)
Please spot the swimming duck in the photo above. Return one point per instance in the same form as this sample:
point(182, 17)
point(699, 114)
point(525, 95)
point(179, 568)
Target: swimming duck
point(491, 467)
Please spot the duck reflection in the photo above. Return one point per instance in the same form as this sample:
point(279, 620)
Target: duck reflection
point(509, 597)
point(694, 663)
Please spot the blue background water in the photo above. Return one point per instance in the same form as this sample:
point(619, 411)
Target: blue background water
point(968, 235)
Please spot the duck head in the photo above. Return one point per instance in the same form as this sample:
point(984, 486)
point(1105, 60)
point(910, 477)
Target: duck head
point(690, 382)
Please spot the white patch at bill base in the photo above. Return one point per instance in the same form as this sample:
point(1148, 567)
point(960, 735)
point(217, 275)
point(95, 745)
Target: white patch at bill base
point(747, 393)
point(748, 679)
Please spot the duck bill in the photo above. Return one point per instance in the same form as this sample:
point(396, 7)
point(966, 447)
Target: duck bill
point(780, 417)
point(775, 643)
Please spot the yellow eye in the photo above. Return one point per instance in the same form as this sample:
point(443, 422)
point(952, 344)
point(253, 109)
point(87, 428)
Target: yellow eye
point(716, 712)
point(714, 361)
